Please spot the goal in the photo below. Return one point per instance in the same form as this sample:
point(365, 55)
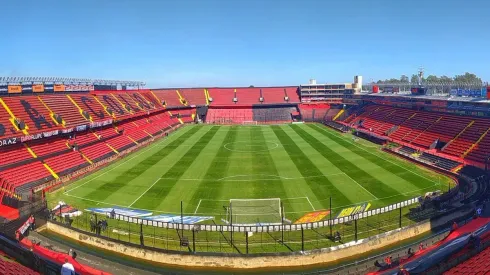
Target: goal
point(249, 122)
point(254, 211)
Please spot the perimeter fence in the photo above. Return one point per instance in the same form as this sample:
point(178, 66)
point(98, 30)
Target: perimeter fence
point(243, 239)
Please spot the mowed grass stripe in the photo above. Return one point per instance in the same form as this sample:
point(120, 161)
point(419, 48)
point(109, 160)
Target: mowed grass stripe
point(417, 180)
point(158, 192)
point(211, 188)
point(373, 185)
point(263, 164)
point(186, 186)
point(373, 169)
point(320, 185)
point(113, 186)
point(90, 183)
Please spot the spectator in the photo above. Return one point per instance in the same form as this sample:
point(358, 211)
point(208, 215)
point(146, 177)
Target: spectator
point(410, 252)
point(67, 268)
point(421, 246)
point(113, 214)
point(32, 221)
point(388, 261)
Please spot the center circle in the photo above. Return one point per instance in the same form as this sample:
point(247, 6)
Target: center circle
point(247, 146)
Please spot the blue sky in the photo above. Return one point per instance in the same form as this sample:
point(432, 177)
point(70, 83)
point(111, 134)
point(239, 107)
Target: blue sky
point(232, 42)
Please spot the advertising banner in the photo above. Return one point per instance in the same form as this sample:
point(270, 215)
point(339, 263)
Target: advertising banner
point(27, 88)
point(38, 88)
point(120, 211)
point(59, 88)
point(48, 87)
point(14, 89)
point(9, 141)
point(313, 217)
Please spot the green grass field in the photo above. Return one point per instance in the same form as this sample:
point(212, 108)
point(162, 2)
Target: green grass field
point(206, 166)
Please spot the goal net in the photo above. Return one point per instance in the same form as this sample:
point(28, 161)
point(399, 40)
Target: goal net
point(254, 211)
point(251, 122)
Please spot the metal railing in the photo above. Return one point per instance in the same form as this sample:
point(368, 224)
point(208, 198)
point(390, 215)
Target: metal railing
point(240, 239)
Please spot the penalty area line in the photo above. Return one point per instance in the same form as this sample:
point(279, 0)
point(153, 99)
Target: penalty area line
point(310, 203)
point(361, 186)
point(197, 206)
point(157, 180)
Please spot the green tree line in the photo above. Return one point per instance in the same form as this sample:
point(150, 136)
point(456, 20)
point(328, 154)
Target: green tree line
point(464, 78)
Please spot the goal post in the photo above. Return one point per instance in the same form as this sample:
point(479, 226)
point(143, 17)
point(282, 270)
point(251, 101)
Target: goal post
point(254, 211)
point(249, 122)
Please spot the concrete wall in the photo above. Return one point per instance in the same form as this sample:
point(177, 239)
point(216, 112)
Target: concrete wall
point(317, 257)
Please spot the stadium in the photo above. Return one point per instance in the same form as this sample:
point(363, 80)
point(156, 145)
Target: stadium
point(340, 178)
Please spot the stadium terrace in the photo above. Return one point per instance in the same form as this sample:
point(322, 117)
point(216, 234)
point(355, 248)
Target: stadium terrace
point(307, 177)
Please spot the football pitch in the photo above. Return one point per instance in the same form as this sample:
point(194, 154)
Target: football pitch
point(300, 166)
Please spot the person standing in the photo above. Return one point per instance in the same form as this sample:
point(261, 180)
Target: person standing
point(67, 268)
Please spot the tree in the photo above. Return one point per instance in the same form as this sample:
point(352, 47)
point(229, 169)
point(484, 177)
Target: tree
point(404, 79)
point(467, 78)
point(414, 78)
point(445, 79)
point(433, 79)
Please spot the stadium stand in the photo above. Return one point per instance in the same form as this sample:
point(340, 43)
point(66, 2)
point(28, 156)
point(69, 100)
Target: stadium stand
point(194, 96)
point(171, 97)
point(88, 103)
point(314, 112)
point(221, 96)
point(16, 153)
point(273, 114)
point(134, 117)
point(248, 96)
point(229, 115)
point(27, 173)
point(275, 95)
point(58, 138)
point(9, 267)
point(30, 111)
point(479, 264)
point(456, 136)
point(62, 105)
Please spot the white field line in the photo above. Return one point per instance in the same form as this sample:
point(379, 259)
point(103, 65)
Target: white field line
point(295, 198)
point(129, 159)
point(273, 178)
point(382, 157)
point(310, 203)
point(362, 187)
point(197, 206)
point(157, 180)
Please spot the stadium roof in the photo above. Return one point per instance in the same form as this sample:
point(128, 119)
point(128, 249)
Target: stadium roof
point(68, 80)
